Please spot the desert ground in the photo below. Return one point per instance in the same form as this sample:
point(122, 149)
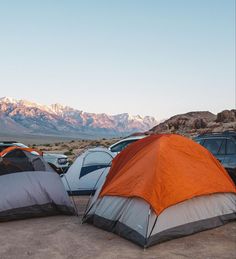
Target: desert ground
point(65, 237)
point(73, 148)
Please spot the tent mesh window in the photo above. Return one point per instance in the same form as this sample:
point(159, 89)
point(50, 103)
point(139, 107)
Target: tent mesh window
point(38, 164)
point(15, 161)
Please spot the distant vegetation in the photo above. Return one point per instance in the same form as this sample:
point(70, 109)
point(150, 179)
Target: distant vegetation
point(74, 148)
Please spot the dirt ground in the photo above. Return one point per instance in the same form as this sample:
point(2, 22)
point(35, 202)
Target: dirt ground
point(73, 148)
point(65, 237)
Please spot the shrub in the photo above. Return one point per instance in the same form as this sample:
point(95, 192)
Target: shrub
point(68, 153)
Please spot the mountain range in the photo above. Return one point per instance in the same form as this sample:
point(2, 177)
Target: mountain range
point(24, 117)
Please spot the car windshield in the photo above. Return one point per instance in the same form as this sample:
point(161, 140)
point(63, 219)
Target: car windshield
point(122, 145)
point(214, 145)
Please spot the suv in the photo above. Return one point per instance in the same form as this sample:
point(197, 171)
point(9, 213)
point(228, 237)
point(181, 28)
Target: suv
point(223, 147)
point(122, 144)
point(58, 162)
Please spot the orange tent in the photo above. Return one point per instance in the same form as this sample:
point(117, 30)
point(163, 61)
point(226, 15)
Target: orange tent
point(165, 170)
point(163, 187)
point(9, 149)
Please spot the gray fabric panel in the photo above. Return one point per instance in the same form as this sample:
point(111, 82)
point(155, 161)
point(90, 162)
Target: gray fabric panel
point(92, 206)
point(130, 234)
point(124, 216)
point(180, 231)
point(38, 162)
point(35, 211)
point(190, 228)
point(195, 209)
point(94, 201)
point(135, 215)
point(118, 228)
point(41, 165)
point(133, 212)
point(111, 207)
point(32, 188)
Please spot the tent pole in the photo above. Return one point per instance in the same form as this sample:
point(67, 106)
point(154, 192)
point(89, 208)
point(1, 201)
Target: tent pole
point(95, 187)
point(72, 197)
point(146, 236)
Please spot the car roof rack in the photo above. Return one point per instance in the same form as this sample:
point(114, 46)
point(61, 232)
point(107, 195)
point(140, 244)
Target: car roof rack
point(224, 133)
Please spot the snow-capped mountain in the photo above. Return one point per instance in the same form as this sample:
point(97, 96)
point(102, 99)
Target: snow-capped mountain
point(28, 117)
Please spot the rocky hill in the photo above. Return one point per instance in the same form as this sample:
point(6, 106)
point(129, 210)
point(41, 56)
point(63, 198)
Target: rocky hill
point(194, 123)
point(22, 116)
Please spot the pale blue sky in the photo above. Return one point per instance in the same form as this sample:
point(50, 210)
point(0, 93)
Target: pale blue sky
point(159, 57)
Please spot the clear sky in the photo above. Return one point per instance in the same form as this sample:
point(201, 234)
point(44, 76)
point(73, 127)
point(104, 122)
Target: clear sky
point(160, 57)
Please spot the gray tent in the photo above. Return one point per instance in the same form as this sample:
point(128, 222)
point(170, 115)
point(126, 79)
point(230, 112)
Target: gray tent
point(29, 187)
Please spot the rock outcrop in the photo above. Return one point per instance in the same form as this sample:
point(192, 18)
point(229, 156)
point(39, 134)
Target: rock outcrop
point(194, 123)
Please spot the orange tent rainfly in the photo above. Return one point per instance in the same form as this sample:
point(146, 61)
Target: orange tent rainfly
point(165, 170)
point(170, 185)
point(10, 149)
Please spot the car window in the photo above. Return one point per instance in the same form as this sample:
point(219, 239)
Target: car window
point(222, 150)
point(122, 145)
point(231, 147)
point(215, 146)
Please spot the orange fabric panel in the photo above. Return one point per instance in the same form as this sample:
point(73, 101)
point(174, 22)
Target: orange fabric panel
point(165, 170)
point(9, 149)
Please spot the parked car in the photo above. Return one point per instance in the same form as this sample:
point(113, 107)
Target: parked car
point(58, 162)
point(123, 143)
point(223, 147)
